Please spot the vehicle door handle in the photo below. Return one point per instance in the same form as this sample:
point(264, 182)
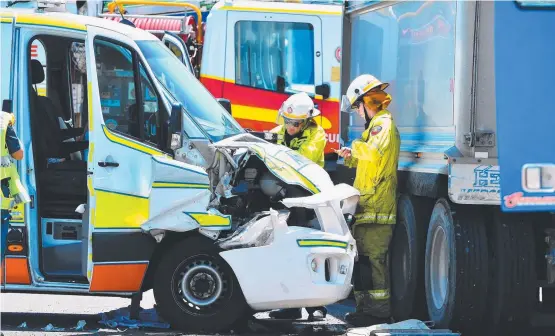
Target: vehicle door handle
point(108, 164)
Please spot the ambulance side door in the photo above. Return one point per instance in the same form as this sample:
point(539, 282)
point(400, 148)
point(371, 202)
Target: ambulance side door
point(125, 109)
point(270, 56)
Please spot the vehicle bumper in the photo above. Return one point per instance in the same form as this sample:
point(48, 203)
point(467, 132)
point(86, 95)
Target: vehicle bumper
point(281, 275)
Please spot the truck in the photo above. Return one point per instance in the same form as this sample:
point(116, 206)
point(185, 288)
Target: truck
point(476, 179)
point(139, 179)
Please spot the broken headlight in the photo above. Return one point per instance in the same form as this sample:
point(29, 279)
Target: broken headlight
point(259, 231)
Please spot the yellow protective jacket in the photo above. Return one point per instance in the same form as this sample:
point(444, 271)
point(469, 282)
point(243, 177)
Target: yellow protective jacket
point(8, 169)
point(311, 143)
point(376, 156)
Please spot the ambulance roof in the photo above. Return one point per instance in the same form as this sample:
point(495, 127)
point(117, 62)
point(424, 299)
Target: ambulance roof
point(73, 22)
point(279, 7)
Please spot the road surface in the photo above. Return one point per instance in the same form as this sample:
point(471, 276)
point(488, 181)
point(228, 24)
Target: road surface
point(65, 311)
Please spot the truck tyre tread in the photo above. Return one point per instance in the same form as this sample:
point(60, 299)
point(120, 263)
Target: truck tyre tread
point(413, 217)
point(465, 301)
point(230, 312)
point(511, 297)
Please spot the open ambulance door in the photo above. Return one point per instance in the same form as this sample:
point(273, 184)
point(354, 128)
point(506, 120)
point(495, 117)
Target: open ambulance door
point(525, 105)
point(270, 56)
point(178, 48)
point(123, 106)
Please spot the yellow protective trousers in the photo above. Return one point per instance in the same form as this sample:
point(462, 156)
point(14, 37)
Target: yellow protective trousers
point(372, 293)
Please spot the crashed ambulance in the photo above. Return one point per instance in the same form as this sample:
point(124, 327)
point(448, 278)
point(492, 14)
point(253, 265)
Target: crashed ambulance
point(140, 179)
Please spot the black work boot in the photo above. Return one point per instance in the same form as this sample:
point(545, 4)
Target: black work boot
point(359, 319)
point(287, 314)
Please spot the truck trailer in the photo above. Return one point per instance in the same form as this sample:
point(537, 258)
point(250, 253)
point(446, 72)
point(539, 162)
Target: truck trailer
point(472, 98)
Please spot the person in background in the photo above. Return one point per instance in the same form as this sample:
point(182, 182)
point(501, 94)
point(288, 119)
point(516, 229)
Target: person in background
point(13, 192)
point(301, 133)
point(375, 156)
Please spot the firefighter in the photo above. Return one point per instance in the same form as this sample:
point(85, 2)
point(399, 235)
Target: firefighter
point(13, 192)
point(375, 156)
point(301, 133)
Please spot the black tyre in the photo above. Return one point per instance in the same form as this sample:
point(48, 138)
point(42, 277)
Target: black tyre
point(407, 258)
point(456, 268)
point(512, 289)
point(196, 290)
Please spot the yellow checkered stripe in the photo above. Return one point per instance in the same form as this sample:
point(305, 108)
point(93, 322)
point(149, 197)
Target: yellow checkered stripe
point(208, 220)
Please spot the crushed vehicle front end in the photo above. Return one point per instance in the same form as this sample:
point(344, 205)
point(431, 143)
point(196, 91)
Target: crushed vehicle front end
point(294, 247)
point(286, 234)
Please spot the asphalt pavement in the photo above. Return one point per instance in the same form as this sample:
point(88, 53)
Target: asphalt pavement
point(36, 312)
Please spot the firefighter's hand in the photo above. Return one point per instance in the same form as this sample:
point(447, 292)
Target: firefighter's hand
point(344, 152)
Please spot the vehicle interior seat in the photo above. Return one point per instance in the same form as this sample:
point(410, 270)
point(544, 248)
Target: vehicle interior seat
point(63, 185)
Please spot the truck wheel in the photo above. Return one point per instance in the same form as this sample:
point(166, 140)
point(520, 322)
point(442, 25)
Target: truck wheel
point(195, 288)
point(407, 258)
point(512, 288)
point(456, 268)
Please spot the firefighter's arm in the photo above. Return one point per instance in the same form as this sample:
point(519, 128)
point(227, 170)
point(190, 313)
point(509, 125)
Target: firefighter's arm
point(374, 148)
point(313, 147)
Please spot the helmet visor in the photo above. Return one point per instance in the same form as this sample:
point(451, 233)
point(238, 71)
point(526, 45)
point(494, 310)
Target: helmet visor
point(346, 105)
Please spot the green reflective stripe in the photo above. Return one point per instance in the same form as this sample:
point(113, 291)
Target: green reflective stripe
point(379, 294)
point(369, 217)
point(321, 243)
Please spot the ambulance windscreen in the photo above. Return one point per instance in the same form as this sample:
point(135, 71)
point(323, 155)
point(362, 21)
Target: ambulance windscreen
point(216, 122)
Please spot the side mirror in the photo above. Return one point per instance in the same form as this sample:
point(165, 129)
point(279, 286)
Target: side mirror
point(176, 120)
point(350, 219)
point(323, 90)
point(225, 103)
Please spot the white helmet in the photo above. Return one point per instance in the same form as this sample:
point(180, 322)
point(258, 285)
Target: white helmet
point(358, 88)
point(298, 107)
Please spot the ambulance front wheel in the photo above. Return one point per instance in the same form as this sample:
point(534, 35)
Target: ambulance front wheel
point(196, 290)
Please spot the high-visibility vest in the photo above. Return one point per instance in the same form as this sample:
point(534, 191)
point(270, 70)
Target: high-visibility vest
point(8, 169)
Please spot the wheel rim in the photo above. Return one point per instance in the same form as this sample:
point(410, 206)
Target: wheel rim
point(200, 285)
point(401, 266)
point(439, 267)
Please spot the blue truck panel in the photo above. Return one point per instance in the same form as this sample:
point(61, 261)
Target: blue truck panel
point(525, 105)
